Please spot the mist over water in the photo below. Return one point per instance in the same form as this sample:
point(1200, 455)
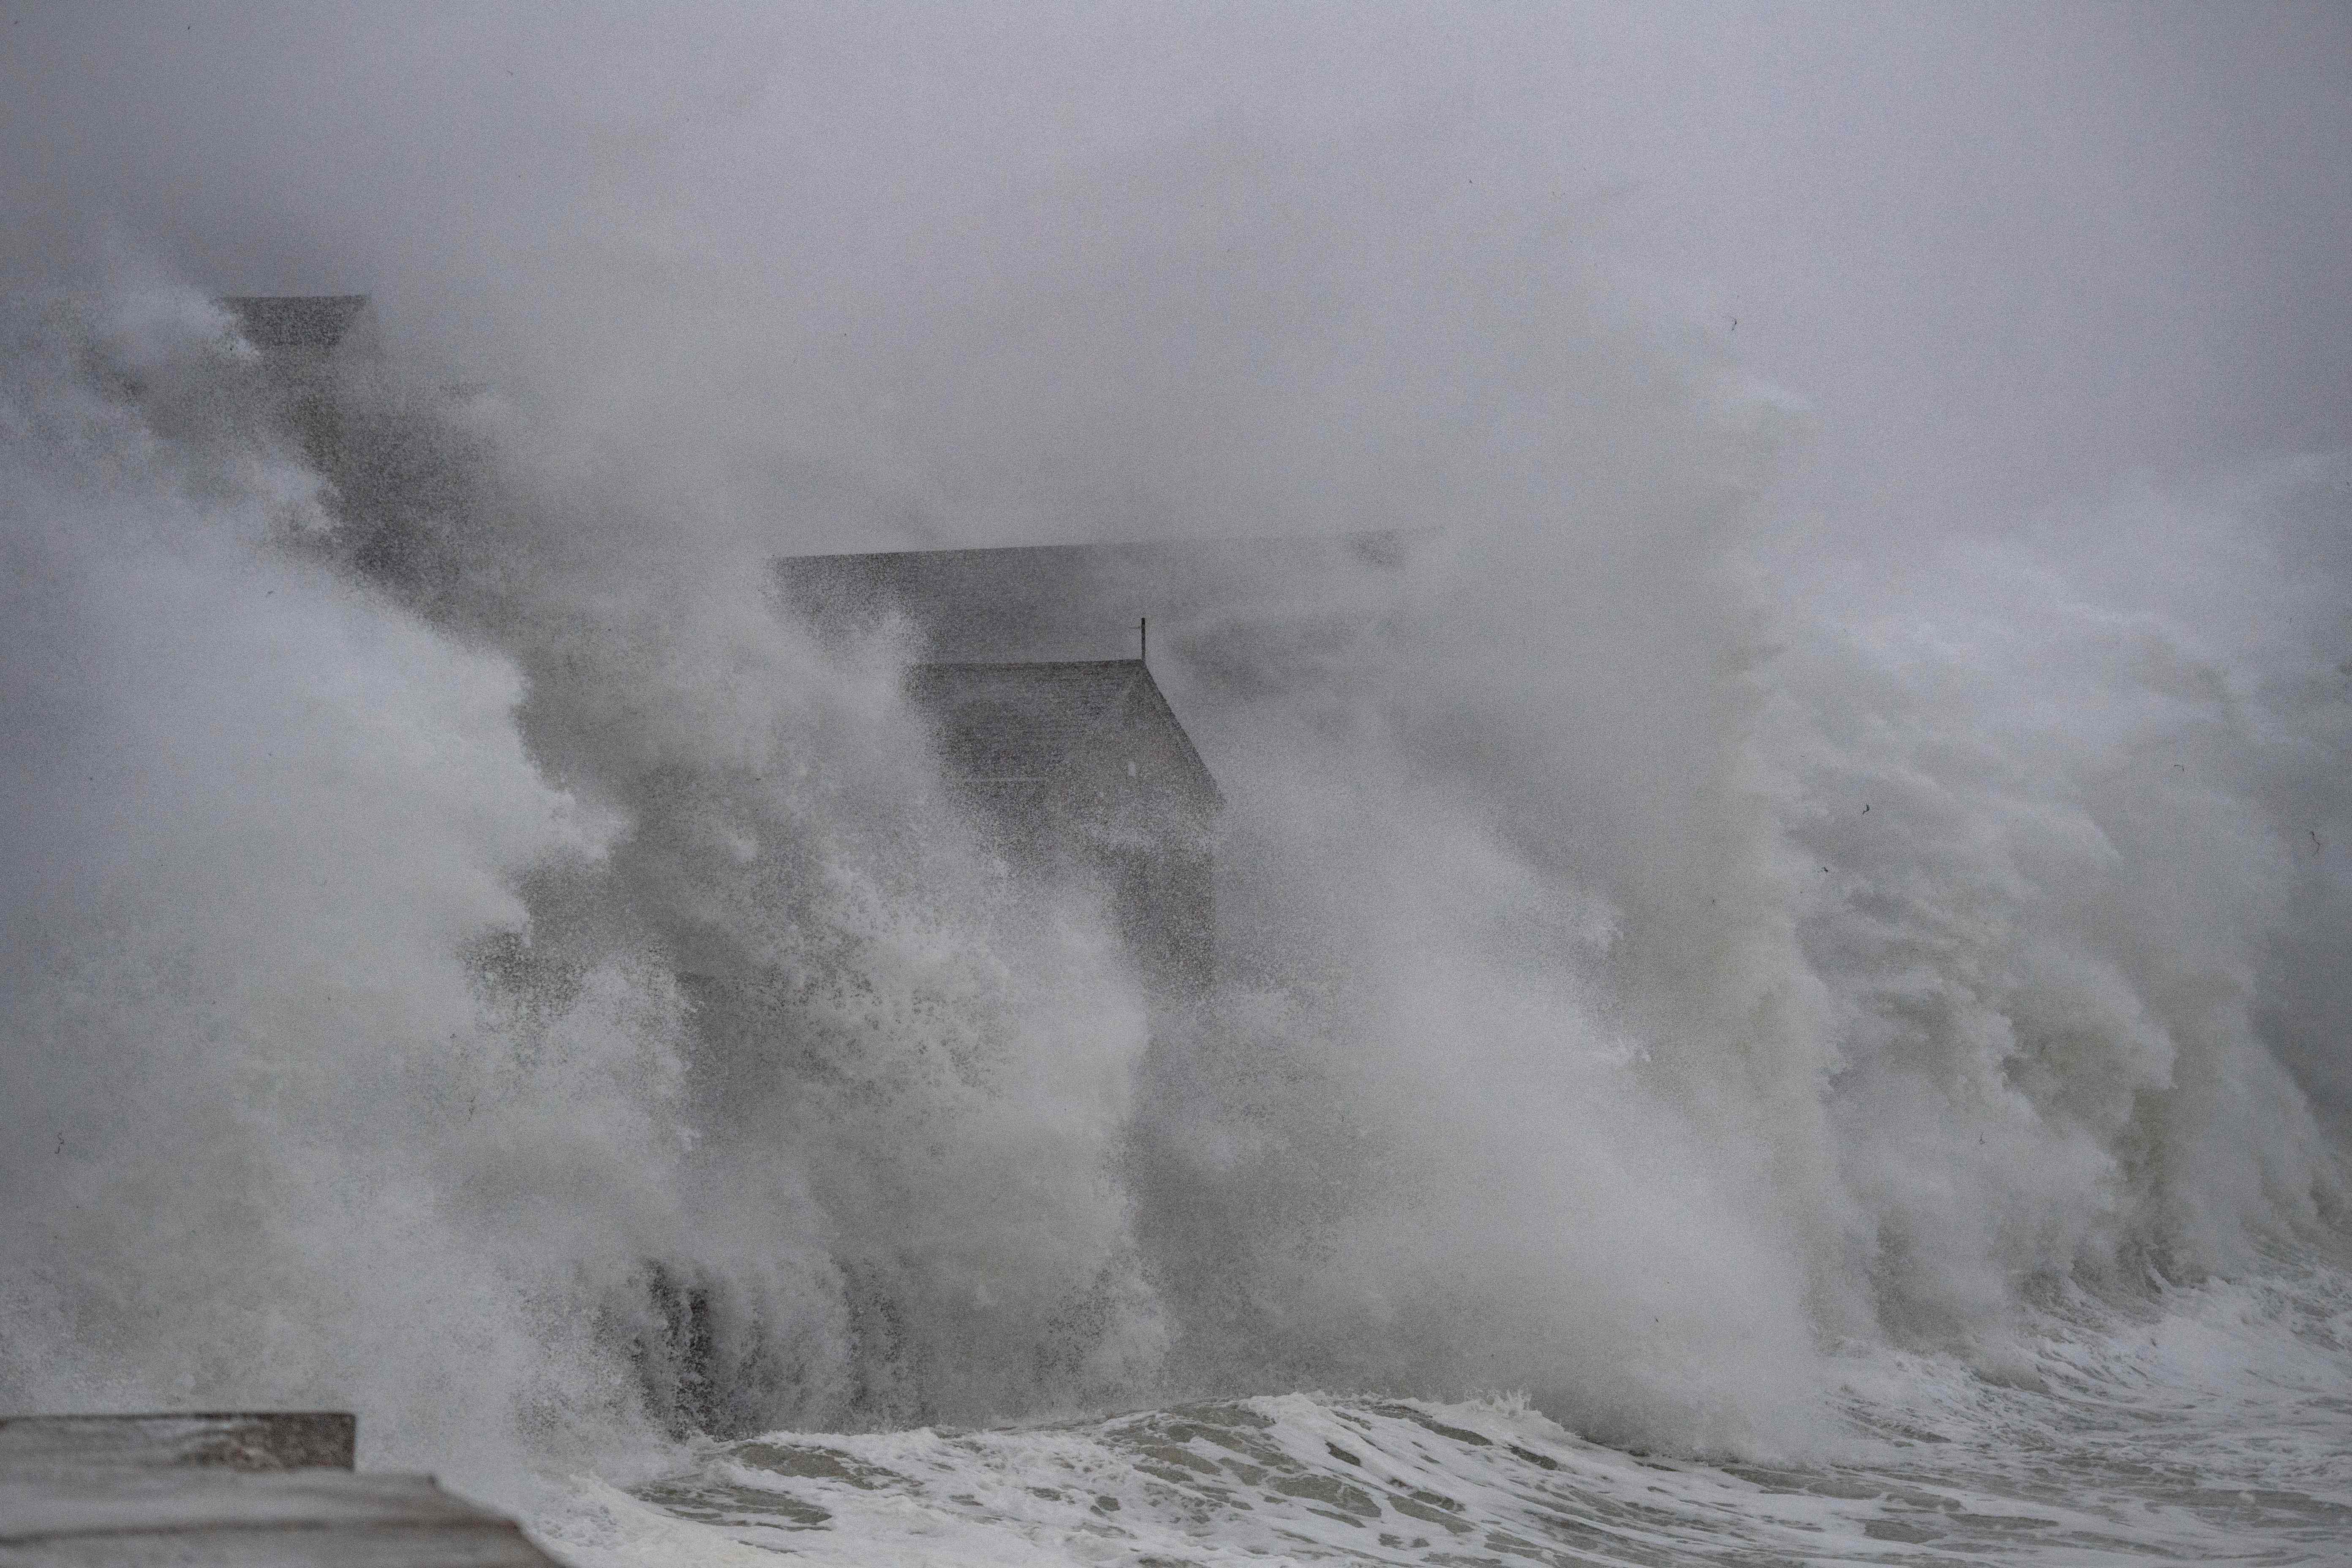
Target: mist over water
point(358, 979)
point(476, 956)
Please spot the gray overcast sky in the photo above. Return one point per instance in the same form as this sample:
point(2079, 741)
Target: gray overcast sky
point(2005, 252)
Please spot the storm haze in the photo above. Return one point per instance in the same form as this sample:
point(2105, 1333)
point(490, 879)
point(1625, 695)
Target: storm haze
point(1765, 590)
point(2005, 254)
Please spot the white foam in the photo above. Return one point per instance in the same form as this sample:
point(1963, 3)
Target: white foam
point(2210, 1431)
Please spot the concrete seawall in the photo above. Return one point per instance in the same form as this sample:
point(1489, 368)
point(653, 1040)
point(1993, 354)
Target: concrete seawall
point(275, 1489)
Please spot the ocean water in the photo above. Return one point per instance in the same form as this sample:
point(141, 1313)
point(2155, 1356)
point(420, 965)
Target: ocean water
point(1725, 1051)
point(2122, 1455)
point(2209, 1430)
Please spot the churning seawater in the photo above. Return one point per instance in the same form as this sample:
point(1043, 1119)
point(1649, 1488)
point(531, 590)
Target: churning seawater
point(1722, 1052)
point(2212, 1432)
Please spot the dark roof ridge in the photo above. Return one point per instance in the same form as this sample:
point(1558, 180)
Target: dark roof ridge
point(1158, 541)
point(1018, 663)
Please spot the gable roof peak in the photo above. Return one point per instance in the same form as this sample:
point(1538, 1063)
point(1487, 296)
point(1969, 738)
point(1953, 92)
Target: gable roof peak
point(1031, 719)
point(315, 322)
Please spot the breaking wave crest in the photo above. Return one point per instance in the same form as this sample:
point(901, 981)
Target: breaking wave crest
point(472, 956)
point(2208, 1435)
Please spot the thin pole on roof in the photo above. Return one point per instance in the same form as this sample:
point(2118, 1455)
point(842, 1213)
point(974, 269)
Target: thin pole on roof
point(1143, 639)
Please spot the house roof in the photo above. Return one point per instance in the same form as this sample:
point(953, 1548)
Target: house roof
point(1082, 601)
point(1016, 723)
point(297, 320)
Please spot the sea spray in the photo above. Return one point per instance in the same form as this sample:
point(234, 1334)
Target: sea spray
point(475, 957)
point(257, 816)
point(359, 1065)
point(2066, 810)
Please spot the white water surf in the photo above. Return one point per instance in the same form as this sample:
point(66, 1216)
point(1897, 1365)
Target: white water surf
point(2211, 1432)
point(1860, 1064)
